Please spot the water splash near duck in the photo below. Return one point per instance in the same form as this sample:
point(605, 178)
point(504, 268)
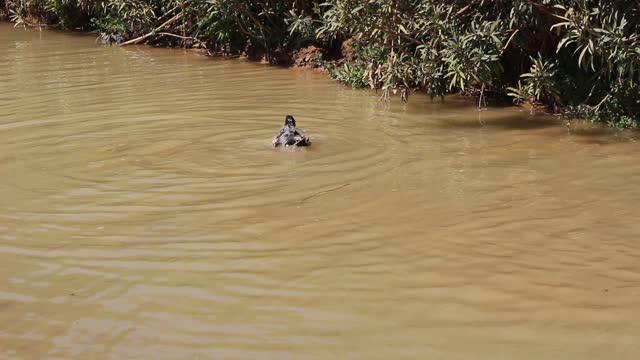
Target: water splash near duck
point(290, 135)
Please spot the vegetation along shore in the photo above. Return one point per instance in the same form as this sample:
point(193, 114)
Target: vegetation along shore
point(580, 58)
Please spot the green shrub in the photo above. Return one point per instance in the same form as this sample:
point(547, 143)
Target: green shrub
point(553, 54)
point(580, 56)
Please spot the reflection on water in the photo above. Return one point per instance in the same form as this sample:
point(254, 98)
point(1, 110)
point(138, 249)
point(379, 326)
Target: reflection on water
point(143, 214)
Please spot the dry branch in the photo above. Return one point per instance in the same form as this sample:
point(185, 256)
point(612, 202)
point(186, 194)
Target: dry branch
point(144, 37)
point(177, 36)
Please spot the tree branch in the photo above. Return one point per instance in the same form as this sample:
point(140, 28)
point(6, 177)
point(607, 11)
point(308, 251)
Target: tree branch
point(144, 37)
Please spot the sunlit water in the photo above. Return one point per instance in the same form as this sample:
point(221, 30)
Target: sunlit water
point(144, 215)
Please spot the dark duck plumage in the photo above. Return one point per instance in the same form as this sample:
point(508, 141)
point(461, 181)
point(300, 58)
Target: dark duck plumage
point(289, 135)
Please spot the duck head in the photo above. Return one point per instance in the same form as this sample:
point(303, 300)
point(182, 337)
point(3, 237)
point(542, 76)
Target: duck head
point(289, 121)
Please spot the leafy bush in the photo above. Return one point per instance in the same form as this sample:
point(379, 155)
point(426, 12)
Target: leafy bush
point(271, 28)
point(577, 56)
point(553, 54)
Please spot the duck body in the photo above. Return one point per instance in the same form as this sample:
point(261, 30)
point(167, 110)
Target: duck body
point(289, 135)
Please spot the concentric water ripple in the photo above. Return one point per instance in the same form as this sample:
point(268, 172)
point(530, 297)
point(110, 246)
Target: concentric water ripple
point(144, 214)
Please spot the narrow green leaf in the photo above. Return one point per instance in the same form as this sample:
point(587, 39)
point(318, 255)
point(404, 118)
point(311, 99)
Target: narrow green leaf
point(561, 44)
point(584, 51)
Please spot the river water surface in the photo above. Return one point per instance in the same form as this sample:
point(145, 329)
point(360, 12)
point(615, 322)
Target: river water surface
point(144, 215)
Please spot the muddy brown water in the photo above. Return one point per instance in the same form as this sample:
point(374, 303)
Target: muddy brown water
point(144, 215)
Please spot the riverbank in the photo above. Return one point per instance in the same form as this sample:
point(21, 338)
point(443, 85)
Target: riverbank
point(521, 52)
point(311, 58)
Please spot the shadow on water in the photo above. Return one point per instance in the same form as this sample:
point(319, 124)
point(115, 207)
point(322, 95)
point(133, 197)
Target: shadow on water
point(594, 134)
point(590, 133)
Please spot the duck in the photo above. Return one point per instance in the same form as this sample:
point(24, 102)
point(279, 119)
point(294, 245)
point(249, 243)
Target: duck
point(289, 135)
